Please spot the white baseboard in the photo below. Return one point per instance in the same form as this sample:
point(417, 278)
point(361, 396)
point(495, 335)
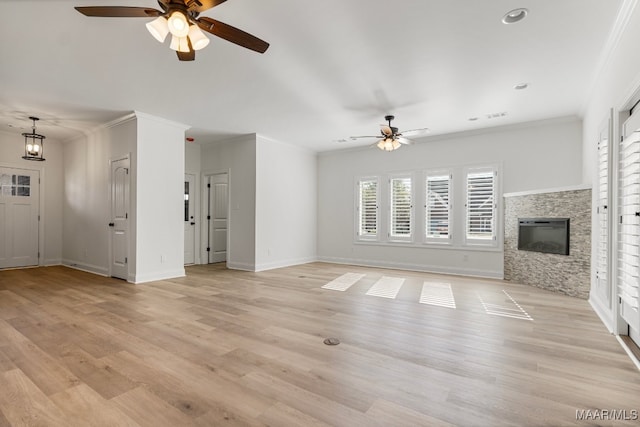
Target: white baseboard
point(243, 266)
point(605, 315)
point(161, 275)
point(89, 268)
point(284, 263)
point(52, 262)
point(458, 271)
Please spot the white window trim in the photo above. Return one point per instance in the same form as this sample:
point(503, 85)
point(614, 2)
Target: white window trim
point(390, 235)
point(497, 197)
point(448, 240)
point(360, 237)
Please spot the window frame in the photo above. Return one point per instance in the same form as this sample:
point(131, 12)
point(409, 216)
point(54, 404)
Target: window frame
point(492, 241)
point(429, 238)
point(392, 237)
point(358, 218)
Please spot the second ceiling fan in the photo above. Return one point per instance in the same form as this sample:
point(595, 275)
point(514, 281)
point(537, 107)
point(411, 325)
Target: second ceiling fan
point(181, 19)
point(392, 138)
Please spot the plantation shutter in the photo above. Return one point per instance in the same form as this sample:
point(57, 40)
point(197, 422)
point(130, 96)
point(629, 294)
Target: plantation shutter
point(603, 214)
point(629, 228)
point(481, 206)
point(437, 207)
point(401, 208)
point(368, 208)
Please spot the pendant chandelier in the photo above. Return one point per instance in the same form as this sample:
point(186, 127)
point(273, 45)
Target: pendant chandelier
point(33, 143)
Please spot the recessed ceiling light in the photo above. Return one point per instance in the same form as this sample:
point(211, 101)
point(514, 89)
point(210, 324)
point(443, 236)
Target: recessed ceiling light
point(516, 15)
point(473, 119)
point(521, 86)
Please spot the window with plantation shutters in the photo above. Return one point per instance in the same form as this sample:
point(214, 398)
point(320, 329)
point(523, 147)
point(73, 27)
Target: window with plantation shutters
point(602, 260)
point(480, 206)
point(628, 275)
point(367, 209)
point(401, 205)
point(438, 208)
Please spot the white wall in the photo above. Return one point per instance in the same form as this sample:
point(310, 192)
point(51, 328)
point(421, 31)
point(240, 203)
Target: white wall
point(87, 211)
point(51, 190)
point(532, 156)
point(159, 199)
point(286, 204)
point(237, 157)
point(617, 87)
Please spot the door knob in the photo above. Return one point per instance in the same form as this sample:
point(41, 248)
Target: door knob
point(193, 223)
point(111, 224)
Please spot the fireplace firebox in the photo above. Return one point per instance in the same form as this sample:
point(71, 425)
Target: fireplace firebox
point(547, 235)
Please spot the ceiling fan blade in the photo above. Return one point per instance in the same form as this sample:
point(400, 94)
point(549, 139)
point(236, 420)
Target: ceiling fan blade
point(414, 132)
point(233, 34)
point(186, 56)
point(118, 11)
point(405, 141)
point(367, 136)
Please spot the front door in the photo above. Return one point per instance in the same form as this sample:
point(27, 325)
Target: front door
point(19, 215)
point(218, 217)
point(189, 219)
point(119, 225)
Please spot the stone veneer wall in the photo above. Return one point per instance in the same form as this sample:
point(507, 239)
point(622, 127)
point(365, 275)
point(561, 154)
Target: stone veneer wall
point(567, 274)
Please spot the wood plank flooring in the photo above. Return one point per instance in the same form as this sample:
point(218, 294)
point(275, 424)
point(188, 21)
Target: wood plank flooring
point(222, 347)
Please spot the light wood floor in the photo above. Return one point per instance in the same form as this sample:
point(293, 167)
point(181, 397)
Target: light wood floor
point(234, 348)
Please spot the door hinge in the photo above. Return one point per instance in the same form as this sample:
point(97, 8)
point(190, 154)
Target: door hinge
point(38, 217)
point(209, 185)
point(126, 170)
point(620, 219)
point(126, 215)
point(208, 217)
point(126, 260)
point(38, 255)
point(208, 249)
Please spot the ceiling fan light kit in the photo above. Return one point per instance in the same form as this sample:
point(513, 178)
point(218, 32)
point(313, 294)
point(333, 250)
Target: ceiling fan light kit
point(159, 28)
point(392, 138)
point(181, 19)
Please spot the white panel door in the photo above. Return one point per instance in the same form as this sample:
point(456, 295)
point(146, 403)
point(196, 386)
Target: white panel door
point(119, 224)
point(189, 219)
point(629, 225)
point(218, 217)
point(19, 214)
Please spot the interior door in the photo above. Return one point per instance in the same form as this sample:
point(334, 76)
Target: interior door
point(218, 217)
point(19, 215)
point(629, 226)
point(189, 219)
point(119, 224)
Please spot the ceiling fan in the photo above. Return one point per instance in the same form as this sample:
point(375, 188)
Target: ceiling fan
point(392, 138)
point(181, 19)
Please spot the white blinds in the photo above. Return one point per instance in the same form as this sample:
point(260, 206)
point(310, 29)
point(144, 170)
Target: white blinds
point(401, 207)
point(437, 208)
point(629, 230)
point(368, 208)
point(603, 214)
point(481, 203)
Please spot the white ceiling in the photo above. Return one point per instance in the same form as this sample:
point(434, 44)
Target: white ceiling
point(334, 68)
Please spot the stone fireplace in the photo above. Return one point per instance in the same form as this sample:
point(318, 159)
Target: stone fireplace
point(570, 273)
